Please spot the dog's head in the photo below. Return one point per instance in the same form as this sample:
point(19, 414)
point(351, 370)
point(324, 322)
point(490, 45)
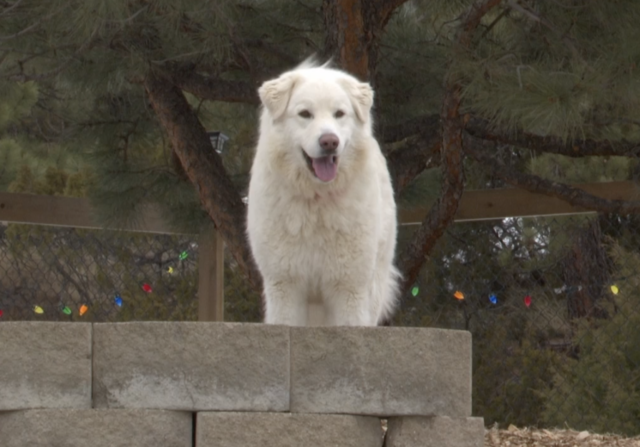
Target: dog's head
point(320, 111)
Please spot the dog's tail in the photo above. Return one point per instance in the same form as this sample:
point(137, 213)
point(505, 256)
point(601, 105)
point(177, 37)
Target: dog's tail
point(389, 291)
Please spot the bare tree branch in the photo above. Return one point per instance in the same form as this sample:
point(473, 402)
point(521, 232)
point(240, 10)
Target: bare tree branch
point(482, 151)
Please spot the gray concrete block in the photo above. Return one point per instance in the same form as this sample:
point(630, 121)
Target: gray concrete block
point(191, 366)
point(96, 428)
point(45, 365)
point(384, 371)
point(435, 431)
point(286, 430)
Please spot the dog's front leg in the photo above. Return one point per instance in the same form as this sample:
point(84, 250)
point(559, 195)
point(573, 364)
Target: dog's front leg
point(348, 307)
point(285, 303)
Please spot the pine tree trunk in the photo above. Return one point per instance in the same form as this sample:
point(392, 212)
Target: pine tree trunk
point(352, 33)
point(204, 168)
point(345, 36)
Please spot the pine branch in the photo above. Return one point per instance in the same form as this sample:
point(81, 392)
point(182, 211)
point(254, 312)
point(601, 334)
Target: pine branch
point(480, 128)
point(390, 5)
point(86, 46)
point(281, 54)
point(387, 8)
point(416, 154)
point(407, 162)
point(443, 211)
point(214, 89)
point(204, 168)
point(33, 27)
point(10, 8)
point(575, 196)
point(536, 17)
point(472, 19)
point(427, 125)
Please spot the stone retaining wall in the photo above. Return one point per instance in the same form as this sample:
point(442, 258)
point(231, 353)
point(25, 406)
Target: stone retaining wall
point(231, 384)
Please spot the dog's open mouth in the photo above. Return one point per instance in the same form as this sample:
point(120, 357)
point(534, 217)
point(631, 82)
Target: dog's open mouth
point(324, 168)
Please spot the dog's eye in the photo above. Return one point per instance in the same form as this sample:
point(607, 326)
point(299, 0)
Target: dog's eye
point(339, 114)
point(304, 114)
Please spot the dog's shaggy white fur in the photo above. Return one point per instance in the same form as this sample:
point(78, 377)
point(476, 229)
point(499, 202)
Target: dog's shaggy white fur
point(322, 218)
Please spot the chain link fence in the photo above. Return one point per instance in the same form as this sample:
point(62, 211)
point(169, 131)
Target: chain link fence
point(551, 303)
point(68, 274)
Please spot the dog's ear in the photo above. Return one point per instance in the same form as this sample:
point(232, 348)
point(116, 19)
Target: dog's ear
point(361, 95)
point(275, 94)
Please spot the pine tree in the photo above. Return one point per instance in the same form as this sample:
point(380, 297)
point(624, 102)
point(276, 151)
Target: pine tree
point(136, 85)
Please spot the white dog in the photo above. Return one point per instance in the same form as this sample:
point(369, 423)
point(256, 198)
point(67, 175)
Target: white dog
point(322, 218)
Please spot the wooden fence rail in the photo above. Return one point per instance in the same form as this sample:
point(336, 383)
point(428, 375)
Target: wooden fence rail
point(78, 213)
point(510, 202)
point(474, 206)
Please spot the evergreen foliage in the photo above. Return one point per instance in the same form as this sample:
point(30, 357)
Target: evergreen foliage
point(599, 390)
point(512, 375)
point(570, 74)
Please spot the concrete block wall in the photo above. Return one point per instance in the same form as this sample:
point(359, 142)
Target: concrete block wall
point(232, 384)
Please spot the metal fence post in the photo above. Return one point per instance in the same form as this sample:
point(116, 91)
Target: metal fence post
point(211, 277)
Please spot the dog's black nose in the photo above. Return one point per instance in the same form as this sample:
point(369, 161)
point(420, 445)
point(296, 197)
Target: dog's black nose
point(329, 142)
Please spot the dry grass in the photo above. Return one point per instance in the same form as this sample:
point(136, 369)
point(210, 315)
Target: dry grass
point(516, 437)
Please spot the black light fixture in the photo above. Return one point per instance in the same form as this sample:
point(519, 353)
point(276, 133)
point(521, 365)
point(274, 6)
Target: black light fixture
point(218, 139)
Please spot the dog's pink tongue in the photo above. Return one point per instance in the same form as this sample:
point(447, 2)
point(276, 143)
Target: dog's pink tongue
point(325, 168)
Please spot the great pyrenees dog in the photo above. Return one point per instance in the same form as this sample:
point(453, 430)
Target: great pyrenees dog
point(321, 217)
